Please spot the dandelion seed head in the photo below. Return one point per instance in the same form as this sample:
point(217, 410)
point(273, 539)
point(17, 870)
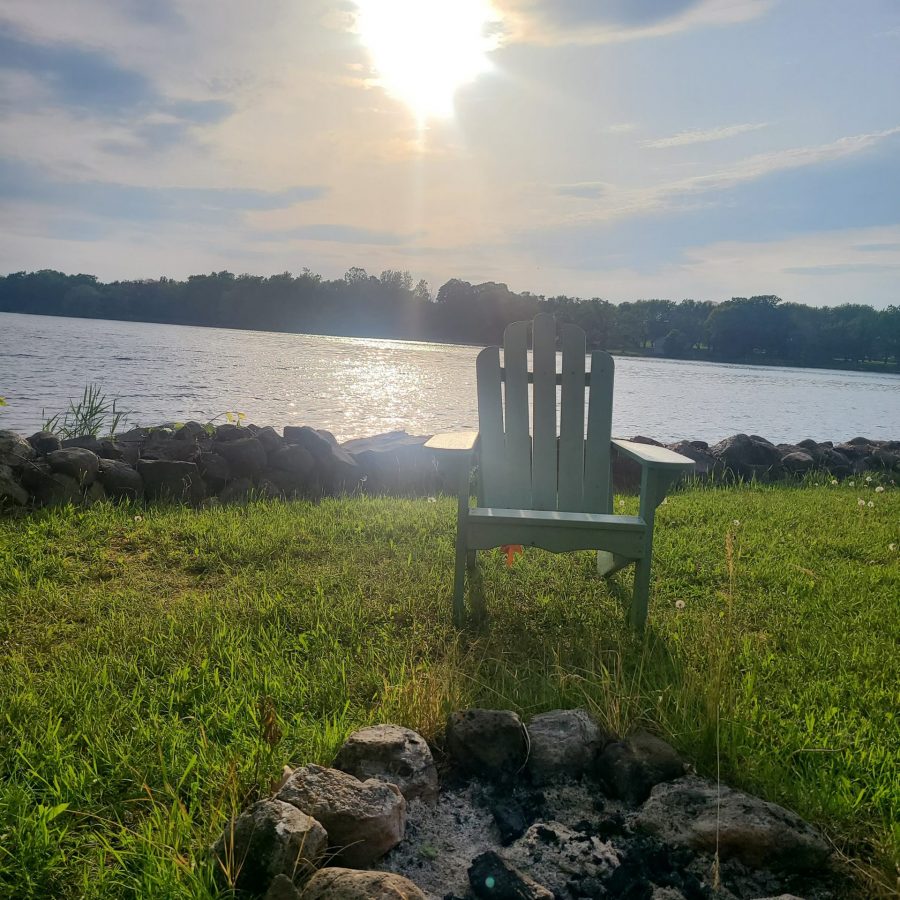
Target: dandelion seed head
point(735, 522)
point(834, 480)
point(679, 604)
point(892, 548)
point(860, 501)
point(879, 489)
point(851, 483)
point(138, 518)
point(621, 503)
point(871, 504)
point(868, 479)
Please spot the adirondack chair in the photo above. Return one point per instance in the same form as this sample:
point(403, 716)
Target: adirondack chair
point(540, 487)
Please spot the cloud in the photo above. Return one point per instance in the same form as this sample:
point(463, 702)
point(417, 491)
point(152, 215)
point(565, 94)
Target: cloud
point(593, 22)
point(20, 182)
point(79, 78)
point(685, 138)
point(341, 234)
point(586, 190)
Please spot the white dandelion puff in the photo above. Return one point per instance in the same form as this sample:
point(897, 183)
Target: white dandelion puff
point(871, 504)
point(860, 501)
point(879, 489)
point(679, 604)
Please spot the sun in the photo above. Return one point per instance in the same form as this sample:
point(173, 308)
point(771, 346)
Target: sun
point(424, 50)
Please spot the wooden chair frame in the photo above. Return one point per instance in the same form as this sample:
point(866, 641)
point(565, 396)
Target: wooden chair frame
point(540, 486)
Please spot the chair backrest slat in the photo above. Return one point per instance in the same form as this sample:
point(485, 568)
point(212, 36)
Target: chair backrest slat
point(543, 468)
point(597, 489)
point(524, 468)
point(490, 428)
point(515, 408)
point(571, 424)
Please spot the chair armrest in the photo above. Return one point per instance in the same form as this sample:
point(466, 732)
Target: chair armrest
point(653, 457)
point(464, 441)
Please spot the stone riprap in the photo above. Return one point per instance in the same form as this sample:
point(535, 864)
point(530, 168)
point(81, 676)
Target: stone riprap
point(597, 816)
point(196, 464)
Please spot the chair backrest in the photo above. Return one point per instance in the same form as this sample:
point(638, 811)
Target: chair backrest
point(525, 462)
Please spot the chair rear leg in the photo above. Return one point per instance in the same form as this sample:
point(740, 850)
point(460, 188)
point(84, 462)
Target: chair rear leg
point(641, 598)
point(459, 579)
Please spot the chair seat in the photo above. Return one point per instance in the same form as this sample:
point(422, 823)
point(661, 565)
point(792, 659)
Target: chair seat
point(556, 531)
point(497, 516)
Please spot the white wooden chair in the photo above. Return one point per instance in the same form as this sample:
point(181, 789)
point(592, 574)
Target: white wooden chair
point(542, 487)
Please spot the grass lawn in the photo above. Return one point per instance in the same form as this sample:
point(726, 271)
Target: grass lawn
point(159, 665)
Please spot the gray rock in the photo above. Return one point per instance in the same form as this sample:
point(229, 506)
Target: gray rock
point(237, 491)
point(705, 464)
point(171, 480)
point(76, 462)
point(629, 769)
point(163, 445)
point(282, 888)
point(294, 459)
point(49, 488)
point(335, 883)
point(246, 456)
point(44, 441)
point(394, 754)
point(120, 480)
point(93, 493)
point(270, 439)
point(885, 459)
point(15, 451)
point(270, 838)
point(396, 463)
point(214, 468)
point(83, 442)
point(692, 812)
point(230, 432)
point(666, 893)
point(798, 462)
point(747, 455)
point(492, 876)
point(364, 819)
point(310, 439)
point(11, 491)
point(491, 743)
point(190, 431)
point(834, 461)
point(563, 742)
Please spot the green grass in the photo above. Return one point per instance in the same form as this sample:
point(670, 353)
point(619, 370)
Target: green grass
point(143, 653)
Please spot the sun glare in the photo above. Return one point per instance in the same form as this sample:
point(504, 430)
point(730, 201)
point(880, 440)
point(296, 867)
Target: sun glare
point(424, 50)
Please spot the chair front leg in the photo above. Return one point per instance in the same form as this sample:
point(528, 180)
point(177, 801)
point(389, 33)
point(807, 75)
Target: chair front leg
point(463, 555)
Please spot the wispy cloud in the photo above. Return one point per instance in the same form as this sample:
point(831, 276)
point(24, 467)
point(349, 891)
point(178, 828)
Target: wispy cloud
point(705, 136)
point(558, 22)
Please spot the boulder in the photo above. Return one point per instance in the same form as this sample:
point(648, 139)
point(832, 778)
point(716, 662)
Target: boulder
point(394, 754)
point(885, 459)
point(396, 463)
point(190, 431)
point(490, 743)
point(83, 442)
point(270, 439)
point(294, 459)
point(45, 441)
point(629, 769)
point(835, 461)
point(364, 819)
point(246, 456)
point(163, 445)
point(798, 462)
point(310, 439)
point(705, 464)
point(230, 432)
point(120, 480)
point(563, 742)
point(93, 493)
point(747, 456)
point(288, 484)
point(282, 888)
point(335, 883)
point(270, 838)
point(15, 451)
point(171, 480)
point(11, 492)
point(237, 491)
point(80, 464)
point(214, 469)
point(49, 488)
point(696, 813)
point(492, 876)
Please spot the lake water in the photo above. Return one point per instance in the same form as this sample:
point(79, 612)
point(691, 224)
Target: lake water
point(356, 387)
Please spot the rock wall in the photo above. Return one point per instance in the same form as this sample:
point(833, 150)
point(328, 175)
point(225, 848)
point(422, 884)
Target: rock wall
point(195, 463)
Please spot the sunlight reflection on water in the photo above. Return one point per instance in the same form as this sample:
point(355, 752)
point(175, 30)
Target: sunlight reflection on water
point(356, 387)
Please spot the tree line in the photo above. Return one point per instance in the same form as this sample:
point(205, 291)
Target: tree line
point(755, 329)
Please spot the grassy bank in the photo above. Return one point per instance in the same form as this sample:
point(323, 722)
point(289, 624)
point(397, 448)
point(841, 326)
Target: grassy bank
point(158, 666)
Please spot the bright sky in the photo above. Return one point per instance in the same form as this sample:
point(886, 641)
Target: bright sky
point(613, 148)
